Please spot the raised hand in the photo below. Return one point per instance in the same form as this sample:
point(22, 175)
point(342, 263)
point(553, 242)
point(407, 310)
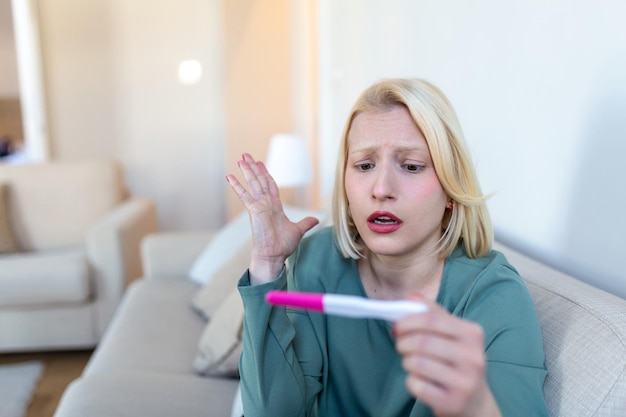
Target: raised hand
point(274, 236)
point(445, 361)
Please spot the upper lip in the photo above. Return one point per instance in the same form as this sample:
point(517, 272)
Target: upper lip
point(383, 214)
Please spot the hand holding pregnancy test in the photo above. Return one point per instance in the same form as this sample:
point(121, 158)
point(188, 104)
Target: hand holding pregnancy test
point(346, 305)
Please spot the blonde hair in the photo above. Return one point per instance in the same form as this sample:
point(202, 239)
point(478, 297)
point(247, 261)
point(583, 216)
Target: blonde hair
point(468, 221)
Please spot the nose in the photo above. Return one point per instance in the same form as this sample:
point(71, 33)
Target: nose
point(383, 187)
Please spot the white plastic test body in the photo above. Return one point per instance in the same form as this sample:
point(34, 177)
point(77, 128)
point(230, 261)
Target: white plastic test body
point(347, 305)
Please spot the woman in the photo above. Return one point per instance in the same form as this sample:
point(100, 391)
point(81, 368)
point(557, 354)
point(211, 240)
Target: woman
point(410, 222)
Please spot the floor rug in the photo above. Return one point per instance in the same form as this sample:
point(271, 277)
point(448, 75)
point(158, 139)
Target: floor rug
point(17, 385)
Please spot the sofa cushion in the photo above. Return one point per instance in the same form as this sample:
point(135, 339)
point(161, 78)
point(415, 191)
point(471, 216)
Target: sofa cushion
point(209, 298)
point(153, 330)
point(133, 393)
point(220, 345)
point(7, 240)
point(72, 195)
point(48, 278)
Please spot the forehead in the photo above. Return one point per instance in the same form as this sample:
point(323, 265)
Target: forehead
point(393, 126)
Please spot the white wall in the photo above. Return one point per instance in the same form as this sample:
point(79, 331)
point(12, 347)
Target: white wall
point(110, 71)
point(171, 135)
point(540, 88)
point(110, 68)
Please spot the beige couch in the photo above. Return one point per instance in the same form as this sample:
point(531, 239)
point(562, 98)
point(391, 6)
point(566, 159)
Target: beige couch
point(69, 244)
point(144, 366)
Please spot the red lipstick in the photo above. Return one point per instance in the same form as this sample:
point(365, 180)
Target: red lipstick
point(383, 222)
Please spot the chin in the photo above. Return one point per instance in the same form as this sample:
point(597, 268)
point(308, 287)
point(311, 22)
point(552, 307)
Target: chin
point(379, 247)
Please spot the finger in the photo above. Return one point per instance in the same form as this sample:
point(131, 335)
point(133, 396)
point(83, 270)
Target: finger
point(257, 170)
point(428, 344)
point(461, 347)
point(446, 400)
point(438, 320)
point(273, 188)
point(239, 189)
point(446, 371)
point(426, 391)
point(248, 168)
point(422, 387)
point(442, 373)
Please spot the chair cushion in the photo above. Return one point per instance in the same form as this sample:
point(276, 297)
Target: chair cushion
point(50, 277)
point(54, 204)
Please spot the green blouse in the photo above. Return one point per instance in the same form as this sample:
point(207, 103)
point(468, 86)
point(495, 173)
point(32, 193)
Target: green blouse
point(298, 363)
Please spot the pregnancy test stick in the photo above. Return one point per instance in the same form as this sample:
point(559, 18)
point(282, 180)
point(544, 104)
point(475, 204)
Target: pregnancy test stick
point(346, 305)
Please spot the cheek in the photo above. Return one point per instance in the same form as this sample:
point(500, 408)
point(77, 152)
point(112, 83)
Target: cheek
point(351, 187)
point(430, 190)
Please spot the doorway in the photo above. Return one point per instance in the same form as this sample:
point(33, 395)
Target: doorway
point(23, 129)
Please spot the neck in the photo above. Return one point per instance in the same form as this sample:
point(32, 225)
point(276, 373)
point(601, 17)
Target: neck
point(393, 278)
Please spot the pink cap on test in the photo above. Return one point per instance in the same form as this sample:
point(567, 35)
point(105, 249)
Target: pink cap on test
point(308, 301)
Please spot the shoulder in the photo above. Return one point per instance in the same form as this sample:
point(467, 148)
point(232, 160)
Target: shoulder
point(492, 293)
point(485, 289)
point(494, 260)
point(488, 273)
point(317, 264)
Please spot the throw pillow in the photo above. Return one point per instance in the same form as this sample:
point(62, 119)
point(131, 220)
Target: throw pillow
point(7, 240)
point(207, 300)
point(231, 237)
point(220, 345)
point(227, 241)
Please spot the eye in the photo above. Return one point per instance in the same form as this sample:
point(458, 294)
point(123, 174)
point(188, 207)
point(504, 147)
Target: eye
point(413, 167)
point(365, 166)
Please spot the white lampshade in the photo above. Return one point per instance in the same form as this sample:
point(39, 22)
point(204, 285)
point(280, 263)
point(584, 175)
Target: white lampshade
point(288, 161)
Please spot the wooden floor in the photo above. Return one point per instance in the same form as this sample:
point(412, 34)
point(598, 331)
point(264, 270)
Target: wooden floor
point(61, 368)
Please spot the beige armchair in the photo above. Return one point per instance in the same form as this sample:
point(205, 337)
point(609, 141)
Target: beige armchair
point(68, 249)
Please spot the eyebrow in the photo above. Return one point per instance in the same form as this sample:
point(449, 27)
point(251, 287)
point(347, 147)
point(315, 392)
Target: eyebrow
point(400, 148)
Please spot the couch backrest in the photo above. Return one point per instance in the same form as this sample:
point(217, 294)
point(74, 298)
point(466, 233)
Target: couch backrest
point(584, 332)
point(51, 205)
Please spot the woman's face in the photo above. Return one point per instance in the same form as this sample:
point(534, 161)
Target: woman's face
point(395, 198)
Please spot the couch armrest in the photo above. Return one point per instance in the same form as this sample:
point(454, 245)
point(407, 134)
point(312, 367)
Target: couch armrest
point(170, 255)
point(113, 248)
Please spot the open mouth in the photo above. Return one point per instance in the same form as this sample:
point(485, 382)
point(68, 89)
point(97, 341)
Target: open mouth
point(383, 217)
point(383, 222)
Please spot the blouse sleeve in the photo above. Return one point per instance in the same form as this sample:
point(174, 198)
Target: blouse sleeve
point(280, 375)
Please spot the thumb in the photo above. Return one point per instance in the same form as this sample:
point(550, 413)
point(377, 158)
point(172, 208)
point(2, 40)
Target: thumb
point(417, 296)
point(307, 224)
point(421, 298)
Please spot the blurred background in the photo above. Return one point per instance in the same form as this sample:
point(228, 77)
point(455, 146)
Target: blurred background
point(177, 90)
